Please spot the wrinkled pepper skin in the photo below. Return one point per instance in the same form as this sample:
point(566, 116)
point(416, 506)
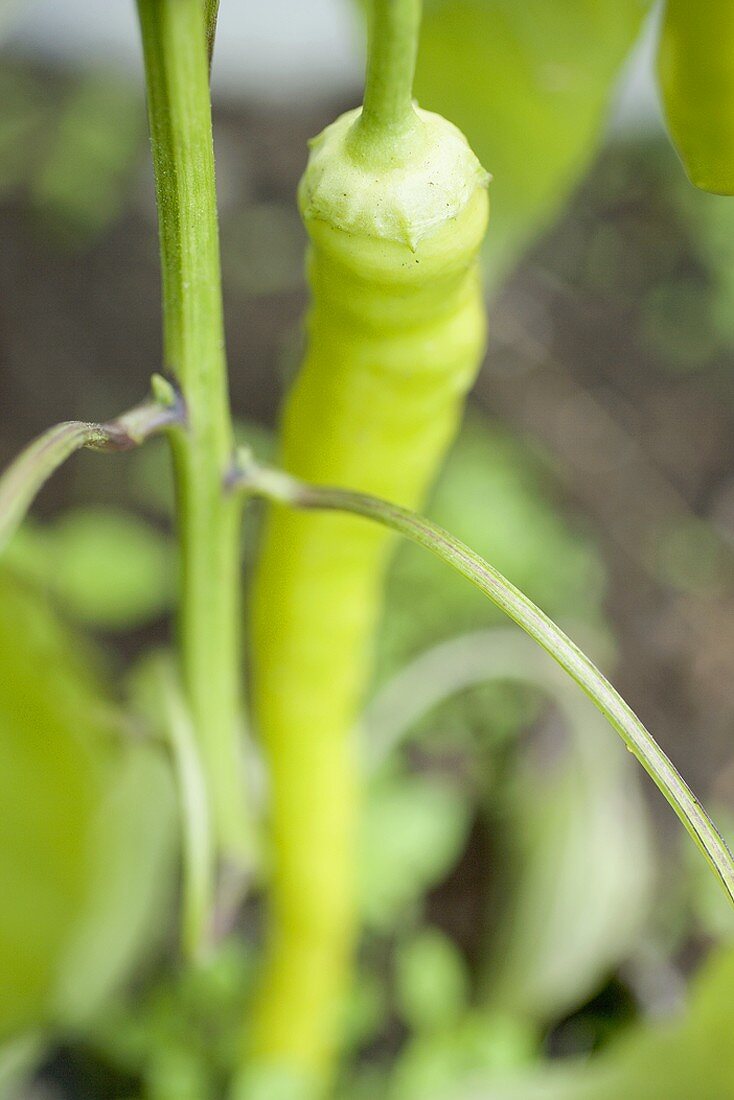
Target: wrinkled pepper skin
point(395, 336)
point(696, 76)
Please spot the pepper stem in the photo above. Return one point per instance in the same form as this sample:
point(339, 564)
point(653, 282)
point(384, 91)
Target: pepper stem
point(388, 114)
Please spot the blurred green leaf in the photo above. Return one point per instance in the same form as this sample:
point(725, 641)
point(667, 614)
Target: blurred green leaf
point(568, 899)
point(366, 1010)
point(578, 871)
point(432, 981)
point(107, 567)
point(413, 829)
point(51, 785)
point(77, 878)
point(479, 1043)
point(710, 221)
point(21, 122)
point(130, 883)
point(184, 1031)
point(691, 556)
point(681, 1059)
point(677, 322)
point(79, 188)
point(529, 84)
point(496, 494)
point(18, 1058)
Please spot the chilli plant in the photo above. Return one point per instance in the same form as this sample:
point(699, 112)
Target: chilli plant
point(396, 207)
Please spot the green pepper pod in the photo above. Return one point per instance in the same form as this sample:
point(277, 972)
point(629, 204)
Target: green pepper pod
point(696, 75)
point(395, 336)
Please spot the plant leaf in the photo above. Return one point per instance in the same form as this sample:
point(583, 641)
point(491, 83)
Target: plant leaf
point(673, 1060)
point(529, 84)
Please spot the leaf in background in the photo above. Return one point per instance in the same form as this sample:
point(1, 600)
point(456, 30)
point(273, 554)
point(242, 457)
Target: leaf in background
point(106, 567)
point(413, 830)
point(432, 981)
point(529, 84)
point(80, 187)
point(84, 821)
point(430, 1064)
point(18, 1058)
point(21, 124)
point(681, 1059)
point(572, 870)
point(497, 496)
point(50, 790)
point(182, 1033)
point(710, 224)
point(579, 872)
point(130, 883)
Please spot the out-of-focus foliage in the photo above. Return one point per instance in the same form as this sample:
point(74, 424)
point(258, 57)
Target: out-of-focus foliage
point(181, 1037)
point(73, 154)
point(80, 184)
point(696, 78)
point(529, 84)
point(76, 880)
point(710, 221)
point(568, 902)
point(478, 1042)
point(676, 1060)
point(413, 830)
point(432, 981)
point(495, 493)
point(105, 566)
point(646, 242)
point(579, 871)
point(21, 120)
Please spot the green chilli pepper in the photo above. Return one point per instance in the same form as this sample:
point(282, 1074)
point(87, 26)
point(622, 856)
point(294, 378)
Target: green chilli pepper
point(395, 205)
point(696, 73)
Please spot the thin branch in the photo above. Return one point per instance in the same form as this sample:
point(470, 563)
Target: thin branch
point(25, 477)
point(278, 486)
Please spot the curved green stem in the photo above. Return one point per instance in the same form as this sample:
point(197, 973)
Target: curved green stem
point(278, 486)
point(177, 74)
point(26, 476)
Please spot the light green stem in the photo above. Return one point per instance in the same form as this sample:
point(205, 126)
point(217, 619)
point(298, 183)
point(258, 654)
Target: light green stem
point(176, 64)
point(211, 14)
point(387, 116)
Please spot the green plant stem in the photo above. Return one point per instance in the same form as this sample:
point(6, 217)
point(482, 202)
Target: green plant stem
point(388, 117)
point(393, 48)
point(277, 486)
point(26, 476)
point(176, 65)
point(211, 14)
